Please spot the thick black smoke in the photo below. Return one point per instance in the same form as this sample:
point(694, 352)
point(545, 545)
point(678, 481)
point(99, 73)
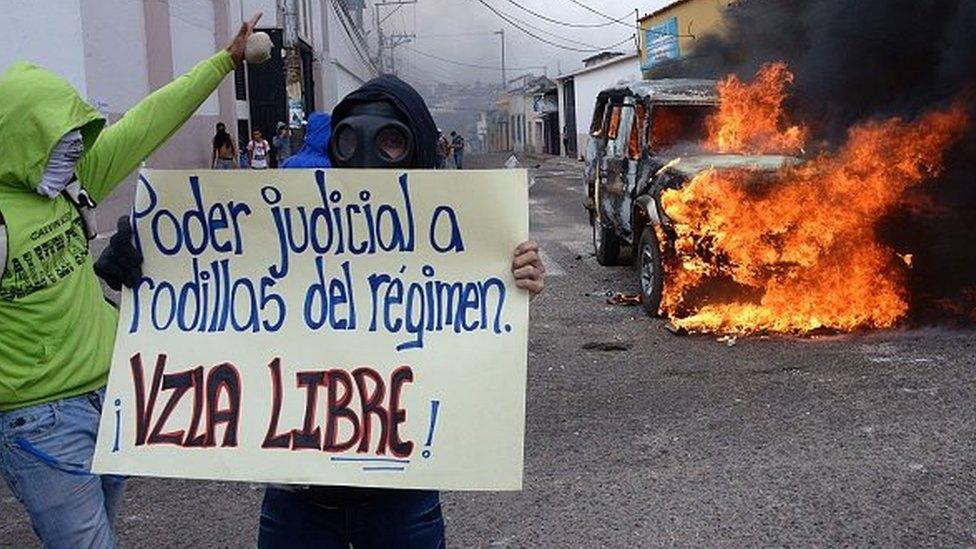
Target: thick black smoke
point(856, 60)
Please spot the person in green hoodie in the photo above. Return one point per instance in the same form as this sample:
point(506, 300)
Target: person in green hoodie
point(57, 332)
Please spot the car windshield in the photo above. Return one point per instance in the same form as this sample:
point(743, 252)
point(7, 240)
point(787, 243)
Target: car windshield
point(672, 125)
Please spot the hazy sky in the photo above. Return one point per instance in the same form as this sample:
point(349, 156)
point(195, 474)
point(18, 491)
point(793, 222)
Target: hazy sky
point(461, 30)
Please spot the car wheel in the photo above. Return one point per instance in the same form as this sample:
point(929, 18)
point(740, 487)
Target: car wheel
point(605, 244)
point(651, 272)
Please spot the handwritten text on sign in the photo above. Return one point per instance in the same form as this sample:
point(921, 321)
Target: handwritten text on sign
point(352, 327)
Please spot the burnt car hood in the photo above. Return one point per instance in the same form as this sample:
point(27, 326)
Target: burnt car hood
point(690, 166)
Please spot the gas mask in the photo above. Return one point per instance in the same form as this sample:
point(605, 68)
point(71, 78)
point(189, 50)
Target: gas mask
point(60, 168)
point(373, 135)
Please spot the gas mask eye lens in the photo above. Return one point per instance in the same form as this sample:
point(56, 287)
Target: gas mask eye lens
point(346, 143)
point(391, 143)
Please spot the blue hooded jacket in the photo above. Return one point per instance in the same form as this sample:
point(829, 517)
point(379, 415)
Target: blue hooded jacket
point(315, 151)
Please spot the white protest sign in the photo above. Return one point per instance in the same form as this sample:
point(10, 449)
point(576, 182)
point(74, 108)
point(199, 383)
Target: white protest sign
point(338, 327)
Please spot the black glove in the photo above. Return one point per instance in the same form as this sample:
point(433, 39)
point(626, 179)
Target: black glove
point(120, 263)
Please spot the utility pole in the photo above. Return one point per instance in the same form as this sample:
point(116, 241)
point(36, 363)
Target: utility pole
point(395, 40)
point(501, 33)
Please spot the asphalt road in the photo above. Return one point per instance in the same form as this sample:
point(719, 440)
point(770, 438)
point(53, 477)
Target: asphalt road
point(637, 437)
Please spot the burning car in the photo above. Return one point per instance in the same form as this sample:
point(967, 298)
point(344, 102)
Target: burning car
point(645, 138)
point(731, 231)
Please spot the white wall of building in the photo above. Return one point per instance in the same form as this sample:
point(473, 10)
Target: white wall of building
point(191, 27)
point(588, 84)
point(51, 38)
point(115, 54)
point(343, 59)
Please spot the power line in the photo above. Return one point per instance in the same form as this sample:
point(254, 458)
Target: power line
point(554, 35)
point(612, 20)
point(455, 34)
point(463, 64)
point(601, 14)
point(564, 23)
point(508, 19)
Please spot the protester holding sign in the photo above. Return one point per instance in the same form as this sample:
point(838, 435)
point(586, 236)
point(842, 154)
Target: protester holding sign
point(384, 124)
point(57, 330)
point(304, 517)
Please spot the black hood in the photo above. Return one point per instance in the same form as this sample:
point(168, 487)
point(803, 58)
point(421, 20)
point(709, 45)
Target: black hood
point(406, 99)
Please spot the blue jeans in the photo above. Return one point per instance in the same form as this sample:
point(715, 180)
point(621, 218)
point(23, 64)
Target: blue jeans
point(296, 519)
point(458, 158)
point(45, 455)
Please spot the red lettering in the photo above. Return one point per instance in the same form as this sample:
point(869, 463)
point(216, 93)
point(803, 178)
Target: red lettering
point(345, 424)
point(338, 408)
point(273, 439)
point(223, 380)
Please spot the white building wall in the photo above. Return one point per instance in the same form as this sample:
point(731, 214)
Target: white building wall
point(191, 27)
point(246, 8)
point(349, 69)
point(115, 55)
point(588, 85)
point(51, 38)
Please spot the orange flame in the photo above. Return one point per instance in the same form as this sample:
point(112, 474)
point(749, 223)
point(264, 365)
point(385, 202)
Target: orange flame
point(751, 118)
point(796, 251)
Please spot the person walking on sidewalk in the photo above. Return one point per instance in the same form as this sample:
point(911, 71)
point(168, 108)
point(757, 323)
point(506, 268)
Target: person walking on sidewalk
point(257, 151)
point(223, 155)
point(282, 143)
point(442, 150)
point(457, 147)
point(58, 331)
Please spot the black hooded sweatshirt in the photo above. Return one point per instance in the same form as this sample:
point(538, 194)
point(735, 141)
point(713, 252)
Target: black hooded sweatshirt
point(406, 100)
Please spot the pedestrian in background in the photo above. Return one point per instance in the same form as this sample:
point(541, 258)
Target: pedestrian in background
point(282, 143)
point(257, 151)
point(223, 155)
point(442, 149)
point(457, 147)
point(58, 331)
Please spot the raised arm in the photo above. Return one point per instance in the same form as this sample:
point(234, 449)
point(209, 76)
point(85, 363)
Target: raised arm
point(121, 147)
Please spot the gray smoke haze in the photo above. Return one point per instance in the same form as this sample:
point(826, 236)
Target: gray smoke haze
point(432, 20)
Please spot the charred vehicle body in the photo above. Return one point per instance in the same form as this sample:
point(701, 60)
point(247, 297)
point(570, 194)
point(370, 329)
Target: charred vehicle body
point(645, 138)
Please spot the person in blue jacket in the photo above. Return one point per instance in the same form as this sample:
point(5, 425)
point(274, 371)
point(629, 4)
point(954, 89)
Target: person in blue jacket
point(314, 153)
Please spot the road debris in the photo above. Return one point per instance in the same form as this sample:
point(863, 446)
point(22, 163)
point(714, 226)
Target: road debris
point(606, 346)
point(729, 340)
point(626, 300)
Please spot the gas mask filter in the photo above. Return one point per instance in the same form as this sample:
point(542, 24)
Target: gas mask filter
point(372, 135)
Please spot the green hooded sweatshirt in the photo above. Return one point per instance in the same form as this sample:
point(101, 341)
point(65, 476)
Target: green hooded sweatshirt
point(57, 332)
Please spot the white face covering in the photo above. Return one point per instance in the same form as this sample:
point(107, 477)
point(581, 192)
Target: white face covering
point(61, 166)
point(3, 250)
